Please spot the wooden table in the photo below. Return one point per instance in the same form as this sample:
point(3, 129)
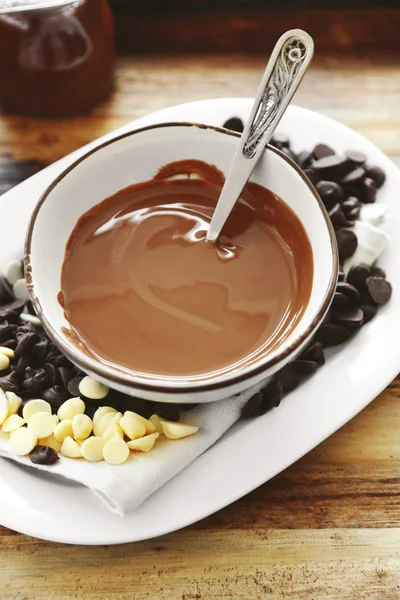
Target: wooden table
point(327, 527)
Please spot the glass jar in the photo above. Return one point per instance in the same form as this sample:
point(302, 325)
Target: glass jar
point(59, 64)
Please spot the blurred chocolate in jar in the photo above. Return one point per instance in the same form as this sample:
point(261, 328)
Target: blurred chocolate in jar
point(59, 64)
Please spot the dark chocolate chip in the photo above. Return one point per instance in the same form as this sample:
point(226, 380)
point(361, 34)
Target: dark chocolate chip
point(9, 383)
point(13, 309)
point(40, 350)
point(90, 408)
point(7, 330)
point(22, 364)
point(62, 361)
point(368, 191)
point(347, 243)
point(348, 290)
point(122, 403)
point(254, 407)
point(350, 203)
point(340, 299)
point(305, 367)
point(304, 159)
point(25, 342)
point(43, 455)
point(356, 157)
point(337, 217)
point(322, 150)
point(349, 316)
point(289, 377)
point(64, 377)
point(369, 311)
point(378, 272)
point(288, 153)
point(55, 395)
point(272, 394)
point(353, 179)
point(333, 168)
point(51, 372)
point(376, 174)
point(330, 193)
point(170, 412)
point(314, 352)
point(73, 387)
point(30, 308)
point(234, 124)
point(35, 381)
point(379, 290)
point(280, 140)
point(341, 274)
point(353, 215)
point(312, 175)
point(270, 397)
point(358, 274)
point(52, 354)
point(26, 328)
point(6, 293)
point(12, 344)
point(332, 334)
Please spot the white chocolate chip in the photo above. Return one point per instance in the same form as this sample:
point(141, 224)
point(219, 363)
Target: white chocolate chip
point(177, 431)
point(3, 409)
point(12, 423)
point(132, 426)
point(42, 424)
point(20, 289)
point(63, 430)
point(4, 362)
point(28, 318)
point(114, 431)
point(82, 427)
point(35, 406)
point(90, 388)
point(92, 449)
point(22, 441)
point(150, 427)
point(13, 271)
point(116, 451)
point(105, 422)
point(372, 241)
point(144, 444)
point(70, 448)
point(373, 214)
point(51, 442)
point(100, 412)
point(156, 420)
point(70, 408)
point(14, 402)
point(7, 351)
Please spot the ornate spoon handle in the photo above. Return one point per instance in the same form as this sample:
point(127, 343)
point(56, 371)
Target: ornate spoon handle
point(286, 67)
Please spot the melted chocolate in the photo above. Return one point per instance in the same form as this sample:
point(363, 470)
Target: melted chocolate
point(141, 288)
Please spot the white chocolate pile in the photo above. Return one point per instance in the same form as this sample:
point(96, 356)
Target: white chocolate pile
point(111, 436)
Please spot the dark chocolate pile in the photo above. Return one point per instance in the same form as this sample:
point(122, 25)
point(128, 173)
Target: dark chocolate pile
point(344, 184)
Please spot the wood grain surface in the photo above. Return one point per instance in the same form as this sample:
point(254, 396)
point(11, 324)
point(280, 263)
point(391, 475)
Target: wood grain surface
point(326, 528)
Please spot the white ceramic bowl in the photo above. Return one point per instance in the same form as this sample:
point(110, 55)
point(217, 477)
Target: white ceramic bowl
point(136, 157)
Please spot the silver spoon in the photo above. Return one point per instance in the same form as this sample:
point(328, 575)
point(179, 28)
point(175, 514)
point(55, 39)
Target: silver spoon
point(286, 67)
point(36, 8)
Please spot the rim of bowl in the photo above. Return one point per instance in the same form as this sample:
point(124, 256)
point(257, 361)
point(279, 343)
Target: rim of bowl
point(124, 379)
